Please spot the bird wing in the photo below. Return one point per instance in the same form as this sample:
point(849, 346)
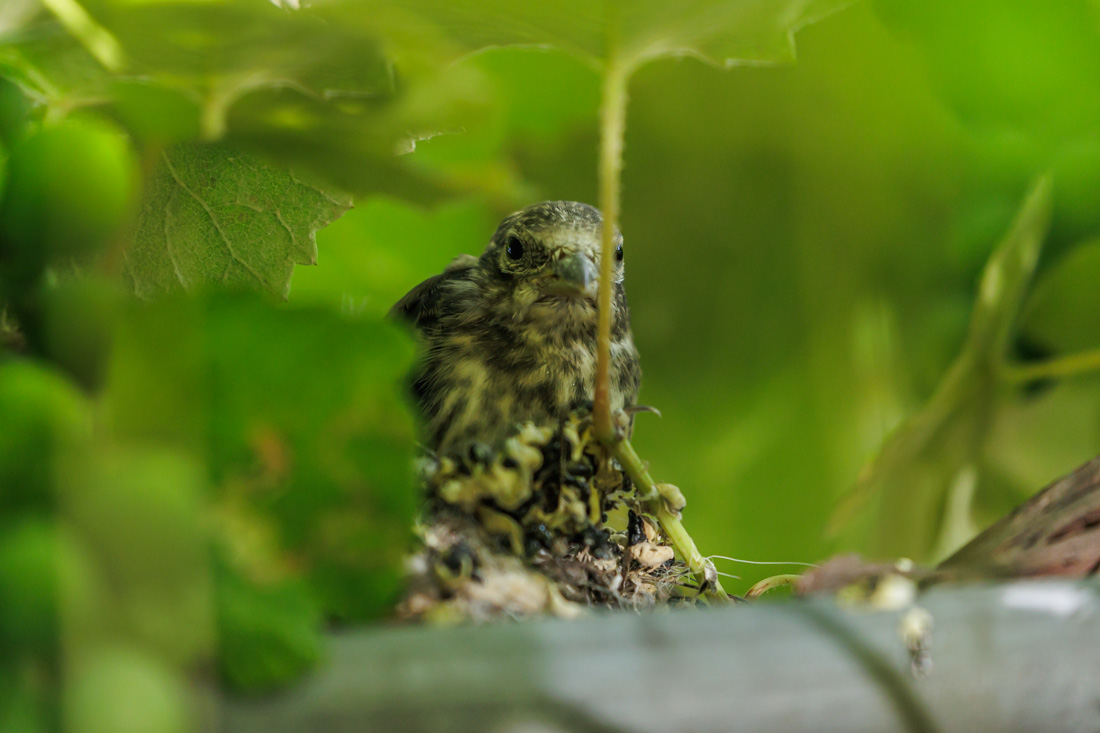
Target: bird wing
point(421, 306)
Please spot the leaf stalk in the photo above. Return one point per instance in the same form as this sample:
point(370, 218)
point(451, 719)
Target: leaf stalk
point(1062, 367)
point(612, 131)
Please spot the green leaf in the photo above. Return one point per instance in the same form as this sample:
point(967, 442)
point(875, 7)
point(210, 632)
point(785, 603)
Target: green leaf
point(1006, 278)
point(217, 216)
point(223, 50)
point(53, 69)
point(938, 449)
point(628, 34)
point(302, 82)
point(269, 635)
point(304, 86)
point(715, 31)
point(567, 97)
point(631, 33)
point(302, 417)
point(308, 443)
point(494, 157)
point(1061, 313)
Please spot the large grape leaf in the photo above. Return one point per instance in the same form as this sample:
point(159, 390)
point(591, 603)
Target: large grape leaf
point(295, 88)
point(629, 33)
point(716, 31)
point(220, 51)
point(213, 214)
point(224, 50)
point(303, 86)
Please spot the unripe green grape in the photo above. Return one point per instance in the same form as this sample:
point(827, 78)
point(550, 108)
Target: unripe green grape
point(68, 192)
point(41, 416)
point(47, 579)
point(28, 586)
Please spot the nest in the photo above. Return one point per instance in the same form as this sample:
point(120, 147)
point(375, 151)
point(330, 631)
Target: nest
point(546, 525)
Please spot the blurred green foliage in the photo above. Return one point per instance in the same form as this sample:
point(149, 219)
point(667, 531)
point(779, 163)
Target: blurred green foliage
point(195, 478)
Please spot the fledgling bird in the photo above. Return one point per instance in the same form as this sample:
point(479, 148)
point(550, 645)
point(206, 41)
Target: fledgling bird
point(511, 336)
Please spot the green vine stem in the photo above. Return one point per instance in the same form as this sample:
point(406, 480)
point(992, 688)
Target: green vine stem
point(612, 130)
point(616, 77)
point(1060, 368)
point(770, 584)
point(654, 503)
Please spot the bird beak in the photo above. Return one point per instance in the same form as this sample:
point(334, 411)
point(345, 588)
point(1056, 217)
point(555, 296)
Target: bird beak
point(573, 275)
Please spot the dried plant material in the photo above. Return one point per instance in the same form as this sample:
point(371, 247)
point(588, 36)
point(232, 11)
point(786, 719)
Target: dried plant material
point(771, 583)
point(888, 592)
point(842, 571)
point(915, 628)
point(650, 555)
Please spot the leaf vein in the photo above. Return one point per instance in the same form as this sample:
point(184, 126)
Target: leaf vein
point(213, 220)
point(283, 224)
point(168, 237)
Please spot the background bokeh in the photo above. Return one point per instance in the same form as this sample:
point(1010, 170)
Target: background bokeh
point(203, 423)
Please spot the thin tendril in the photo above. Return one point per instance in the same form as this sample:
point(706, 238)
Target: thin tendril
point(761, 562)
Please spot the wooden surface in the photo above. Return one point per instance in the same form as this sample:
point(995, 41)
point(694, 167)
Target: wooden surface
point(1056, 532)
point(1022, 656)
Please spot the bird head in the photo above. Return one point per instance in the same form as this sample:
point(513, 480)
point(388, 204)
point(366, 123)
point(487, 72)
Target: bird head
point(549, 253)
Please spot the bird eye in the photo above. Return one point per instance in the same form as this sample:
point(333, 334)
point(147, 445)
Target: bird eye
point(619, 253)
point(513, 248)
